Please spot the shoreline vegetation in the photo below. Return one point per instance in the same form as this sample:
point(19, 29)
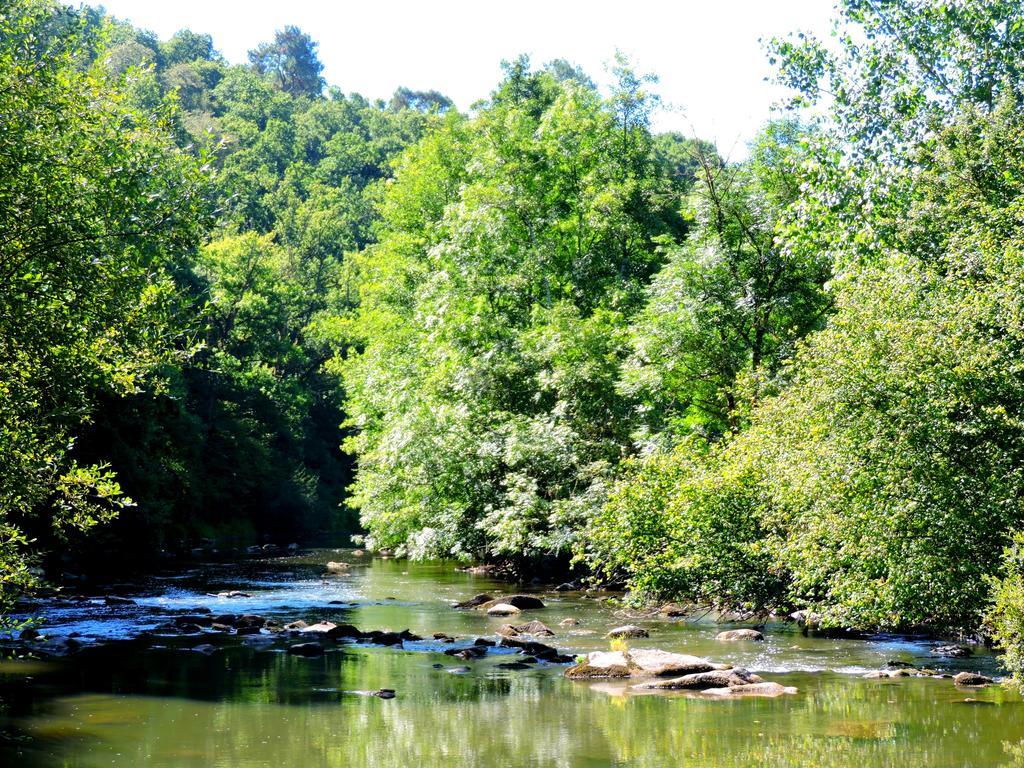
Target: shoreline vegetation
point(239, 304)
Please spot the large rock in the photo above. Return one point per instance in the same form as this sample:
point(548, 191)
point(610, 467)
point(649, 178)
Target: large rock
point(536, 628)
point(628, 630)
point(249, 620)
point(475, 601)
point(639, 662)
point(534, 648)
point(739, 634)
point(331, 630)
point(522, 602)
point(972, 679)
point(333, 567)
point(379, 637)
point(600, 665)
point(502, 609)
point(645, 662)
point(723, 678)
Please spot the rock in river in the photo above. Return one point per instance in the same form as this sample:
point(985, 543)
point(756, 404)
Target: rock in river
point(502, 609)
point(331, 630)
point(628, 630)
point(700, 681)
point(740, 634)
point(952, 651)
point(522, 602)
point(972, 679)
point(475, 601)
point(536, 628)
point(639, 663)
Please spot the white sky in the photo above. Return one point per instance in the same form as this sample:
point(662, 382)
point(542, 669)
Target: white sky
point(706, 52)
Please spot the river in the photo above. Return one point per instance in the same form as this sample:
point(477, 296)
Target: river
point(249, 703)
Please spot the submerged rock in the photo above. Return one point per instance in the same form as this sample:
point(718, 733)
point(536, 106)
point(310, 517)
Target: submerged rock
point(569, 622)
point(952, 651)
point(732, 635)
point(882, 674)
point(472, 652)
point(512, 665)
point(628, 630)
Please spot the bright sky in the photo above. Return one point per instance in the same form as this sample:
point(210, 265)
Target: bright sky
point(706, 52)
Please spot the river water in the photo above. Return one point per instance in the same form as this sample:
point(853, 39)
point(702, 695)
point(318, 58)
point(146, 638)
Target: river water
point(249, 703)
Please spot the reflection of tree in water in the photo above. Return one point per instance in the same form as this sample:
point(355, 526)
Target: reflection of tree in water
point(268, 708)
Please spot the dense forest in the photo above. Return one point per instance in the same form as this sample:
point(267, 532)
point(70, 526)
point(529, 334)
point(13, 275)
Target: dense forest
point(239, 305)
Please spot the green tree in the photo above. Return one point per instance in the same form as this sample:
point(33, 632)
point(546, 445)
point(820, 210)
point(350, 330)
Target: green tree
point(97, 204)
point(291, 61)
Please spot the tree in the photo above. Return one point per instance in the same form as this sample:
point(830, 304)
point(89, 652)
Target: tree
point(731, 302)
point(423, 101)
point(291, 61)
point(491, 324)
point(97, 205)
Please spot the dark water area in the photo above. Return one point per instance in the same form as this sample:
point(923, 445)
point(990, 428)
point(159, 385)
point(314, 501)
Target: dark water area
point(246, 702)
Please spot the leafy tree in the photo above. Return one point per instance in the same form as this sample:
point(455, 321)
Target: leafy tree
point(491, 323)
point(97, 204)
point(291, 61)
point(423, 101)
point(732, 301)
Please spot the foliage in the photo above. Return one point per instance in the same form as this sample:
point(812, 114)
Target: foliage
point(879, 476)
point(97, 205)
point(492, 317)
point(1006, 613)
point(291, 61)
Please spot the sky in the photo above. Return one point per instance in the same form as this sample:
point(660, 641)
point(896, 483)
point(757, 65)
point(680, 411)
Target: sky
point(707, 54)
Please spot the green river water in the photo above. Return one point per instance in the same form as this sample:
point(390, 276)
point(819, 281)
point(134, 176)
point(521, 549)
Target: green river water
point(158, 703)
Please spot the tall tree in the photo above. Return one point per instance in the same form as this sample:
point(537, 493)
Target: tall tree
point(291, 61)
